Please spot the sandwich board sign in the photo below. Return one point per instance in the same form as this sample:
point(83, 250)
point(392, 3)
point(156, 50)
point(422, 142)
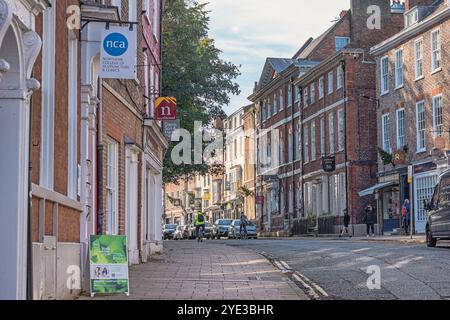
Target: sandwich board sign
point(118, 53)
point(109, 265)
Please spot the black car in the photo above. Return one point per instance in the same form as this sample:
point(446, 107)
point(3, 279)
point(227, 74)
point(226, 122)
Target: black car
point(221, 228)
point(169, 230)
point(438, 220)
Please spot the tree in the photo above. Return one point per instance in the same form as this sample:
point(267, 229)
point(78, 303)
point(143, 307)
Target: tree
point(194, 73)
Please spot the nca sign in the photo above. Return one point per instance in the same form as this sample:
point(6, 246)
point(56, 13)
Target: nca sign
point(118, 53)
point(166, 108)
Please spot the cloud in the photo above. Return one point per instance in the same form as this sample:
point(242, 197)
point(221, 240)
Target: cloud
point(249, 31)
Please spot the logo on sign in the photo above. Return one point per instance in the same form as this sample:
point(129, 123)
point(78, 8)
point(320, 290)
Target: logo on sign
point(166, 109)
point(115, 44)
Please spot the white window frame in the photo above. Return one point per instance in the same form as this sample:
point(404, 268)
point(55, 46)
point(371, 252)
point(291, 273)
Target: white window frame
point(420, 131)
point(313, 141)
point(306, 145)
point(289, 103)
point(340, 38)
point(438, 116)
point(112, 188)
point(312, 93)
point(436, 64)
point(401, 137)
point(281, 97)
point(297, 94)
point(418, 60)
point(331, 132)
point(155, 20)
point(399, 70)
point(305, 97)
point(339, 77)
point(322, 136)
point(341, 130)
point(48, 99)
point(386, 132)
point(275, 106)
point(384, 75)
point(290, 146)
point(321, 87)
point(72, 165)
point(297, 141)
point(330, 81)
point(281, 147)
point(132, 11)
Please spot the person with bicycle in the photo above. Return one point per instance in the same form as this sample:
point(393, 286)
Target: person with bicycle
point(243, 225)
point(199, 223)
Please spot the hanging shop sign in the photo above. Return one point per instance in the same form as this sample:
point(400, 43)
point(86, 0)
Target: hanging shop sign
point(260, 200)
point(118, 53)
point(399, 157)
point(109, 264)
point(170, 128)
point(329, 163)
point(166, 108)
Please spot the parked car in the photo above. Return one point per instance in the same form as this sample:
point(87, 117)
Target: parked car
point(234, 230)
point(181, 233)
point(438, 209)
point(220, 228)
point(168, 231)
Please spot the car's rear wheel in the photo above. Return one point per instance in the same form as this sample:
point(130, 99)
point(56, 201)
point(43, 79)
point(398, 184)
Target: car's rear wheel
point(431, 242)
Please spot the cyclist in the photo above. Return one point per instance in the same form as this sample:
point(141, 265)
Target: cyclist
point(243, 225)
point(199, 223)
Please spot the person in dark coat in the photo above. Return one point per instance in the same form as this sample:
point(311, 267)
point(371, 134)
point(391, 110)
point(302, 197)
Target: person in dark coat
point(345, 230)
point(370, 219)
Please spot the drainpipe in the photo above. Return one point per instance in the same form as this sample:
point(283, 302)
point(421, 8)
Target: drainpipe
point(99, 162)
point(30, 207)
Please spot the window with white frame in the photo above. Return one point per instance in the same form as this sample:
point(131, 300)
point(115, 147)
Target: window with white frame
point(48, 99)
point(269, 110)
point(420, 126)
point(341, 42)
point(339, 77)
point(322, 136)
point(275, 107)
point(291, 199)
point(333, 195)
point(112, 188)
point(342, 192)
point(435, 50)
point(298, 196)
point(146, 7)
point(146, 84)
point(132, 11)
point(331, 131)
point(341, 130)
point(412, 17)
point(306, 146)
point(281, 147)
point(438, 126)
point(297, 94)
point(312, 93)
point(386, 132)
point(282, 201)
point(399, 68)
point(401, 138)
point(384, 75)
point(313, 141)
point(330, 82)
point(281, 100)
point(72, 179)
point(264, 114)
point(305, 97)
point(289, 102)
point(321, 88)
point(418, 58)
point(155, 22)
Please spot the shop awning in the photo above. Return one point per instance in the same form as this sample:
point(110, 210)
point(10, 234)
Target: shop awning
point(377, 187)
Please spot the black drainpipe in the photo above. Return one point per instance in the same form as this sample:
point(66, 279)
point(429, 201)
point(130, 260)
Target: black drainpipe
point(100, 149)
point(29, 224)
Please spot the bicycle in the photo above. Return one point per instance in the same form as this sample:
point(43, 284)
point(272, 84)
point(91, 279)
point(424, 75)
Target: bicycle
point(200, 234)
point(243, 233)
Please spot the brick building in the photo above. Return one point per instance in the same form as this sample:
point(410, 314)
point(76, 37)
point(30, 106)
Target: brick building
point(302, 119)
point(249, 178)
point(413, 114)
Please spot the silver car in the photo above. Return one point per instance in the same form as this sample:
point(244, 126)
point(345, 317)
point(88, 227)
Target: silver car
point(234, 230)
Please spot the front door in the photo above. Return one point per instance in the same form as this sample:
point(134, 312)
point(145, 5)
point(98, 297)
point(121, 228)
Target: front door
point(423, 190)
point(132, 205)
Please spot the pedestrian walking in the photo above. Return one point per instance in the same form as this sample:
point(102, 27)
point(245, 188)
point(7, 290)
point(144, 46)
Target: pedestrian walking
point(370, 219)
point(345, 229)
point(406, 215)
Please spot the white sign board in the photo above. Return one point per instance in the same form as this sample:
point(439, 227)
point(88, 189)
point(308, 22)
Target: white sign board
point(118, 53)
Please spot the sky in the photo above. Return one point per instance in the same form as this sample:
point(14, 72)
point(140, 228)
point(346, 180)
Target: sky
point(249, 31)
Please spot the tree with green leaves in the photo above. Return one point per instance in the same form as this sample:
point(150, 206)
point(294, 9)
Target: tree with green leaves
point(193, 73)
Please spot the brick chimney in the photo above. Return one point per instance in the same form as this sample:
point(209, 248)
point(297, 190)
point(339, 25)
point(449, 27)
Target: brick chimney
point(342, 14)
point(412, 3)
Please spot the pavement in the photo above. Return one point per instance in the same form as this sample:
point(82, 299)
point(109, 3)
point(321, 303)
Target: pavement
point(188, 270)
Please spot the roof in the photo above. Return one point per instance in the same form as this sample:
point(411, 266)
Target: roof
point(432, 16)
point(272, 65)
